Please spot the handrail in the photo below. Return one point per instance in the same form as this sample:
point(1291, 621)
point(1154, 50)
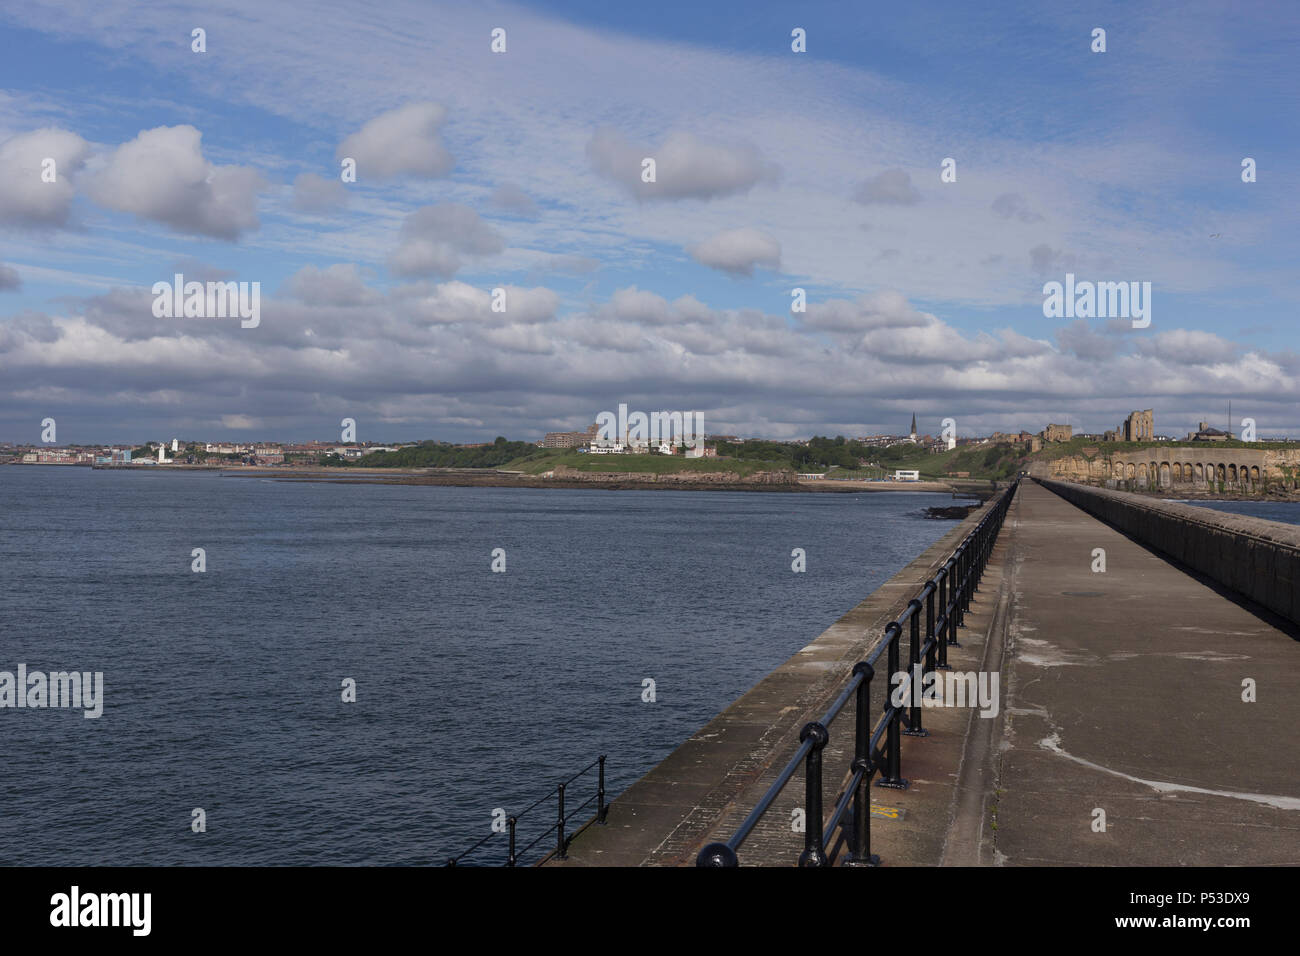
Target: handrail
point(558, 827)
point(951, 588)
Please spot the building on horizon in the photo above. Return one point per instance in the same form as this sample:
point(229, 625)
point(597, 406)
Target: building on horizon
point(1138, 426)
point(1205, 433)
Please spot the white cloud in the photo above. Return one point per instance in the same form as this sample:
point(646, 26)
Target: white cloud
point(1187, 347)
point(455, 302)
point(339, 284)
point(887, 309)
point(404, 141)
point(27, 200)
point(686, 166)
point(738, 251)
point(10, 281)
point(162, 175)
point(434, 239)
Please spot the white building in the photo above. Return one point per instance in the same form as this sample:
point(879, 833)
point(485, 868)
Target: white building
point(906, 475)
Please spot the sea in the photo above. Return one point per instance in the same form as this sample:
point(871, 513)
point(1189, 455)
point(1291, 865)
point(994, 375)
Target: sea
point(347, 681)
point(1284, 511)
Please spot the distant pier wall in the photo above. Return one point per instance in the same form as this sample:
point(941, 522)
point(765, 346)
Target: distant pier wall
point(1256, 558)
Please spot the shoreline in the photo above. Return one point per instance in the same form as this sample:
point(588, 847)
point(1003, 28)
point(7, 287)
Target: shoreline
point(627, 481)
point(606, 481)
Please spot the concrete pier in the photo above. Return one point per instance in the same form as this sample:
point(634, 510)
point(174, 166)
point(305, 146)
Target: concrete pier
point(1124, 694)
point(1122, 737)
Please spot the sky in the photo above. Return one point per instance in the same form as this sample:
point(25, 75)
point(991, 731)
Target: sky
point(522, 171)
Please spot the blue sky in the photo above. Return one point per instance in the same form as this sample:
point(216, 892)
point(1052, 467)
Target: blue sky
point(817, 170)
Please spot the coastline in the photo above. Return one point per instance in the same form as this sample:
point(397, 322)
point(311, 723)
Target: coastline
point(609, 481)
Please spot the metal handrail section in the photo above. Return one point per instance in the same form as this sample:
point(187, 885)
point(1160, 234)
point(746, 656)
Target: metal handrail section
point(937, 611)
point(562, 839)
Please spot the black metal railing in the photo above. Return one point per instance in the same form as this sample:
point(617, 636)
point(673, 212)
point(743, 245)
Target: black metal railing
point(952, 585)
point(562, 837)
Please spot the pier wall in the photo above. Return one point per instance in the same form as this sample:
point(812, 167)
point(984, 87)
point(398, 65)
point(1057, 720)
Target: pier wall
point(1256, 558)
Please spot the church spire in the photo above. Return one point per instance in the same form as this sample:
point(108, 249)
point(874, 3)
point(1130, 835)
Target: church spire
point(913, 424)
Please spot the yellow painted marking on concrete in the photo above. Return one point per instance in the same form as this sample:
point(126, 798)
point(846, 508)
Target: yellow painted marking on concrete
point(893, 813)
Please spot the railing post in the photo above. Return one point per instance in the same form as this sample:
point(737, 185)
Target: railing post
point(511, 859)
point(942, 637)
point(860, 847)
point(601, 809)
point(894, 742)
point(914, 728)
point(954, 599)
point(930, 639)
point(968, 583)
point(559, 829)
point(814, 853)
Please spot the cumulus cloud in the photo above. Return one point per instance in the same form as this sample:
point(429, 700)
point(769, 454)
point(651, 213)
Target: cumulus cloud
point(686, 166)
point(1010, 205)
point(312, 193)
point(638, 305)
point(162, 175)
point(10, 281)
point(435, 238)
point(25, 198)
point(1188, 347)
point(450, 303)
point(401, 142)
point(339, 284)
point(510, 198)
point(892, 187)
point(738, 251)
point(879, 310)
point(451, 364)
point(1079, 338)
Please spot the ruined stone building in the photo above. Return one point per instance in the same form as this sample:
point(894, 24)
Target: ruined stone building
point(1139, 426)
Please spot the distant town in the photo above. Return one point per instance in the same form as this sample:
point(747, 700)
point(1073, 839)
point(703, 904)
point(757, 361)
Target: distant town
point(816, 453)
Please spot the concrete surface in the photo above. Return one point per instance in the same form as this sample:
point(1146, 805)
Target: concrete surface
point(1124, 694)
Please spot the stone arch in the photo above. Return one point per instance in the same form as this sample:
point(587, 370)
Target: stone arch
point(1165, 477)
point(1254, 472)
point(1132, 471)
point(1222, 472)
point(1178, 471)
point(1119, 469)
point(1200, 472)
point(1243, 472)
point(1232, 472)
point(1143, 473)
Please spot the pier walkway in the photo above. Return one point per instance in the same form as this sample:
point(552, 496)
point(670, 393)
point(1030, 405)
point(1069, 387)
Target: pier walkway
point(1121, 705)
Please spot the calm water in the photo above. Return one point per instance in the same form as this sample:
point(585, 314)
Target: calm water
point(1287, 511)
point(475, 690)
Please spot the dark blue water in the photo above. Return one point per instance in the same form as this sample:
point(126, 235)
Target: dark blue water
point(1286, 511)
point(475, 690)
